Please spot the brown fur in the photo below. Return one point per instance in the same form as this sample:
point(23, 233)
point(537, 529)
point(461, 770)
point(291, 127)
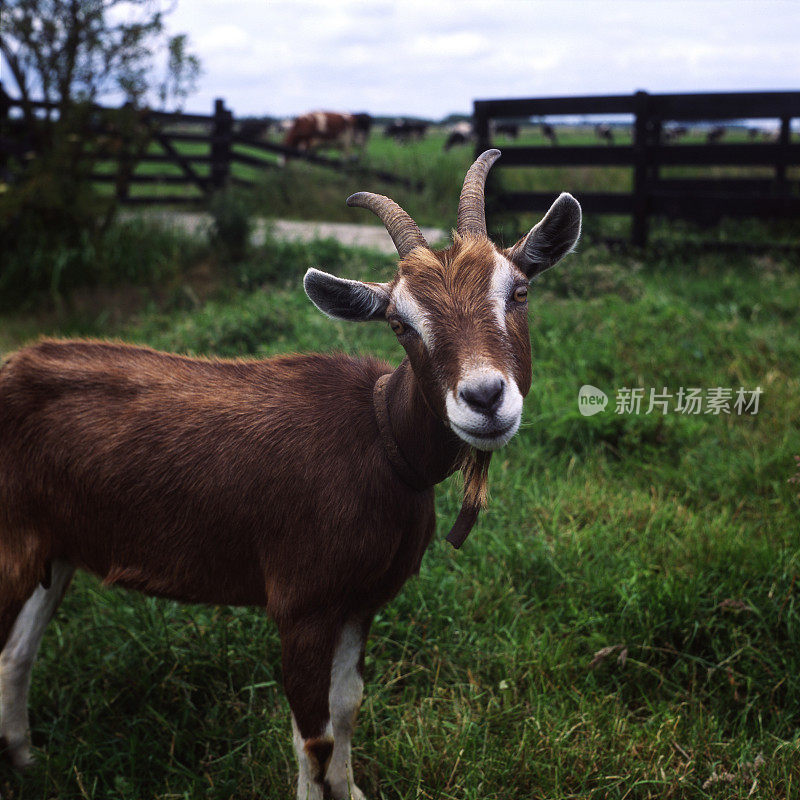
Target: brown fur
point(213, 481)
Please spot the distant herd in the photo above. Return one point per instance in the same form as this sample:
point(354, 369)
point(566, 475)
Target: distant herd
point(349, 132)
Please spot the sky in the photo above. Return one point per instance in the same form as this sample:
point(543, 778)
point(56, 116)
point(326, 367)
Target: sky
point(432, 57)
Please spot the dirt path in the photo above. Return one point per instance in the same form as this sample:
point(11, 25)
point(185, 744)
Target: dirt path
point(373, 237)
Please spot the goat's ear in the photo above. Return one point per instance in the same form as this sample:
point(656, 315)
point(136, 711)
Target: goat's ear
point(551, 239)
point(355, 301)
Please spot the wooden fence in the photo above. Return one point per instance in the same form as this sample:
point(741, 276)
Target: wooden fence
point(689, 198)
point(206, 149)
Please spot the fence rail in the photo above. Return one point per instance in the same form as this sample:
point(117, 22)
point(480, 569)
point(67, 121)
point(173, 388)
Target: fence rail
point(701, 198)
point(199, 173)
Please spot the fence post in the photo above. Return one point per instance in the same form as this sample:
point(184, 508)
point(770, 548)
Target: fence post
point(641, 167)
point(480, 121)
point(5, 106)
point(783, 156)
point(5, 103)
point(221, 139)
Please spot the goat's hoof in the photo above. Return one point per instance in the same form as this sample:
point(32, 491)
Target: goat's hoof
point(18, 752)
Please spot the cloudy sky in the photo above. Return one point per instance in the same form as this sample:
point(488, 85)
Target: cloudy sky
point(431, 57)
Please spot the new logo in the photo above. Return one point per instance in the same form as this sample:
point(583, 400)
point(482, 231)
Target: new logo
point(591, 400)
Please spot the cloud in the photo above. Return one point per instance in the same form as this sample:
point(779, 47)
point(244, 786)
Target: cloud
point(429, 57)
point(223, 39)
point(457, 45)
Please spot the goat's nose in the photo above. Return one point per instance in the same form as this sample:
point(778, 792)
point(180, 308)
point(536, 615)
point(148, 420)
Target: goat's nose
point(484, 396)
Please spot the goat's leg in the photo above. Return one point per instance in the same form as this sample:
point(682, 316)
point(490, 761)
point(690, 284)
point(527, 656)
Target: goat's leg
point(344, 700)
point(308, 648)
point(16, 661)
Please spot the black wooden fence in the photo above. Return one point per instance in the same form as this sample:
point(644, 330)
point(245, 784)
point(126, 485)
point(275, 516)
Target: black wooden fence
point(206, 149)
point(653, 194)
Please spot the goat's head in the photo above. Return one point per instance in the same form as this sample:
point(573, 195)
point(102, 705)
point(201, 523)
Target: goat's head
point(461, 314)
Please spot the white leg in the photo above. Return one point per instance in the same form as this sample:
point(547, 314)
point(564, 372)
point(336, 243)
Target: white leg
point(307, 787)
point(344, 700)
point(16, 662)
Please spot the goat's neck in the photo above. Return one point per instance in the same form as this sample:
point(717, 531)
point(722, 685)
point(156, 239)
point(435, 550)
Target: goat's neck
point(428, 445)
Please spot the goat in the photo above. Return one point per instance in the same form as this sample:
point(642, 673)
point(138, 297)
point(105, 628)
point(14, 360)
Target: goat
point(302, 483)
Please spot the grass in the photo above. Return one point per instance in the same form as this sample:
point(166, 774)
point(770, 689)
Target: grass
point(668, 546)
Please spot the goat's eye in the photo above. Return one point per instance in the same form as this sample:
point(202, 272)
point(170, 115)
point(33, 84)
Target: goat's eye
point(520, 294)
point(396, 325)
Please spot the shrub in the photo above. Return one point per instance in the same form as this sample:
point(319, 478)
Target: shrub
point(232, 224)
point(50, 220)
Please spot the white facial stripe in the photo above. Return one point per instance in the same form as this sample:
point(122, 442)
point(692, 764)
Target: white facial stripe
point(501, 287)
point(409, 309)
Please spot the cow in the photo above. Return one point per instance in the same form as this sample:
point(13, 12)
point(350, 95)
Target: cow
point(674, 132)
point(510, 129)
point(459, 134)
point(603, 131)
point(404, 130)
point(318, 129)
point(549, 133)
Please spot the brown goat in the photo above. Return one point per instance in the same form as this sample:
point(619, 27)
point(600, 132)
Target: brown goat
point(302, 484)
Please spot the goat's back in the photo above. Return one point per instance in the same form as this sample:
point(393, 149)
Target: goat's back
point(241, 482)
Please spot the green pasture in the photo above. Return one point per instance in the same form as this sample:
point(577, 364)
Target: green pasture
point(623, 623)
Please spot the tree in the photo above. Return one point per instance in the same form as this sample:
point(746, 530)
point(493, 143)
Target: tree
point(72, 54)
point(67, 52)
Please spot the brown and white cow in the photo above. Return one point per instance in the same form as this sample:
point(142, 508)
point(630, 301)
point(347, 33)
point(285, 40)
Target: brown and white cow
point(303, 484)
point(318, 129)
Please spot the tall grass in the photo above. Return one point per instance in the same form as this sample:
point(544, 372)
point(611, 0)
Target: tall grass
point(37, 268)
point(624, 621)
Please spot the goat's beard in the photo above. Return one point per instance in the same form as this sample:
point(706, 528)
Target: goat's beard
point(475, 471)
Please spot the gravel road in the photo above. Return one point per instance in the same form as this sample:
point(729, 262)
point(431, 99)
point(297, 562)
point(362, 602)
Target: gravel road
point(371, 236)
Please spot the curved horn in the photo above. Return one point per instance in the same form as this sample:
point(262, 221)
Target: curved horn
point(471, 217)
point(403, 230)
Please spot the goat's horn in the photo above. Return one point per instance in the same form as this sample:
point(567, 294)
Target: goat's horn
point(471, 217)
point(403, 230)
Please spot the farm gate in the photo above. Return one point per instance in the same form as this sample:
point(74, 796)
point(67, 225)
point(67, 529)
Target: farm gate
point(209, 152)
point(692, 198)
